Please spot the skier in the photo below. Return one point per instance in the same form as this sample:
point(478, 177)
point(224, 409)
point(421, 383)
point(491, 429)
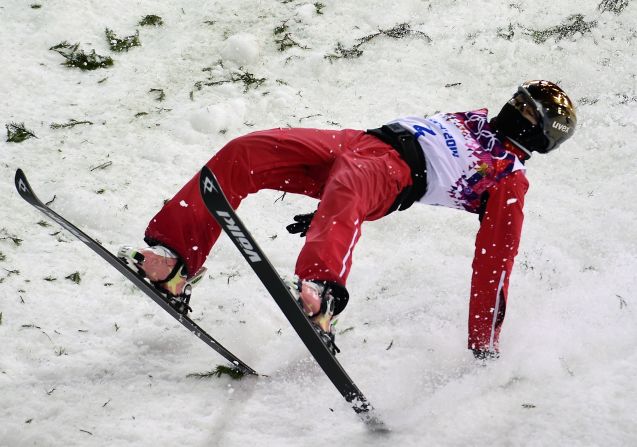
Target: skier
point(458, 160)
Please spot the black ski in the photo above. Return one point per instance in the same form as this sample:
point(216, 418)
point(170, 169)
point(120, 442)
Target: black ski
point(220, 209)
point(23, 187)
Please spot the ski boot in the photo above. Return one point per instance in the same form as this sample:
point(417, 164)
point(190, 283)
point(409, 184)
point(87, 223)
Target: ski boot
point(163, 268)
point(321, 301)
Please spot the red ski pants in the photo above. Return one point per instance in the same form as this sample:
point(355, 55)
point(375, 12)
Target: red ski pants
point(355, 175)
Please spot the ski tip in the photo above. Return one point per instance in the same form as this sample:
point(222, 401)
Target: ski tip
point(21, 183)
point(208, 183)
point(19, 174)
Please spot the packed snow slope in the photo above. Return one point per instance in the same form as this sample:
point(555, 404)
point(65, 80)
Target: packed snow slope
point(86, 359)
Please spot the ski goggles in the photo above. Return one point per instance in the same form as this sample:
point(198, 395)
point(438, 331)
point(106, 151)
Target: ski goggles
point(531, 109)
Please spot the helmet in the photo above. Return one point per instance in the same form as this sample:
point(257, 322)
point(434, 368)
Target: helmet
point(539, 117)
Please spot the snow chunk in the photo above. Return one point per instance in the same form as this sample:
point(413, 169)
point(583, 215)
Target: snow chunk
point(242, 48)
point(307, 11)
point(510, 201)
point(183, 203)
point(218, 117)
point(205, 122)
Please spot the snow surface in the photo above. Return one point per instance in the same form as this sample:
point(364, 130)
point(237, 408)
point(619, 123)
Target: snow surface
point(97, 363)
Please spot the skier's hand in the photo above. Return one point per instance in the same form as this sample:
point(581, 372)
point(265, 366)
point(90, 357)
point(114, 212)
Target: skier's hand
point(301, 225)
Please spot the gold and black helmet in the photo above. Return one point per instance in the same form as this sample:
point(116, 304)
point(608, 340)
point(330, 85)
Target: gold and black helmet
point(555, 110)
point(538, 118)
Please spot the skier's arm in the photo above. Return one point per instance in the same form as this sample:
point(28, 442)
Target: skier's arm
point(496, 246)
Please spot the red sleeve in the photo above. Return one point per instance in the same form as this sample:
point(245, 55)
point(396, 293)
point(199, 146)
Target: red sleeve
point(496, 246)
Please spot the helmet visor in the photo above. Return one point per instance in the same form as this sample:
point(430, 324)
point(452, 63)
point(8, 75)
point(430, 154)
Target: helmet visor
point(531, 109)
point(554, 109)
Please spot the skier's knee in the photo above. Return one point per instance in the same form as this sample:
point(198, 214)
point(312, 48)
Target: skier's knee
point(235, 150)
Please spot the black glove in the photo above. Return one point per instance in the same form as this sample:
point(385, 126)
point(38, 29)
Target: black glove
point(301, 225)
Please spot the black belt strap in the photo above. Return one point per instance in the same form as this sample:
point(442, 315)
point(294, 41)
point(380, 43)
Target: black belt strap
point(407, 146)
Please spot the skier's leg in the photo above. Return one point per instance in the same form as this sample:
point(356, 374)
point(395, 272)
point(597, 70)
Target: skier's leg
point(291, 160)
point(362, 185)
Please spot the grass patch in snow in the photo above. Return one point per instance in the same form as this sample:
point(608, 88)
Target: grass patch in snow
point(101, 166)
point(71, 123)
point(616, 6)
point(17, 133)
point(286, 42)
point(506, 34)
point(282, 28)
point(248, 79)
point(625, 99)
point(219, 371)
point(151, 20)
point(160, 93)
point(6, 235)
point(399, 31)
point(75, 277)
point(572, 25)
point(9, 273)
point(120, 44)
point(584, 100)
point(76, 57)
point(284, 39)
